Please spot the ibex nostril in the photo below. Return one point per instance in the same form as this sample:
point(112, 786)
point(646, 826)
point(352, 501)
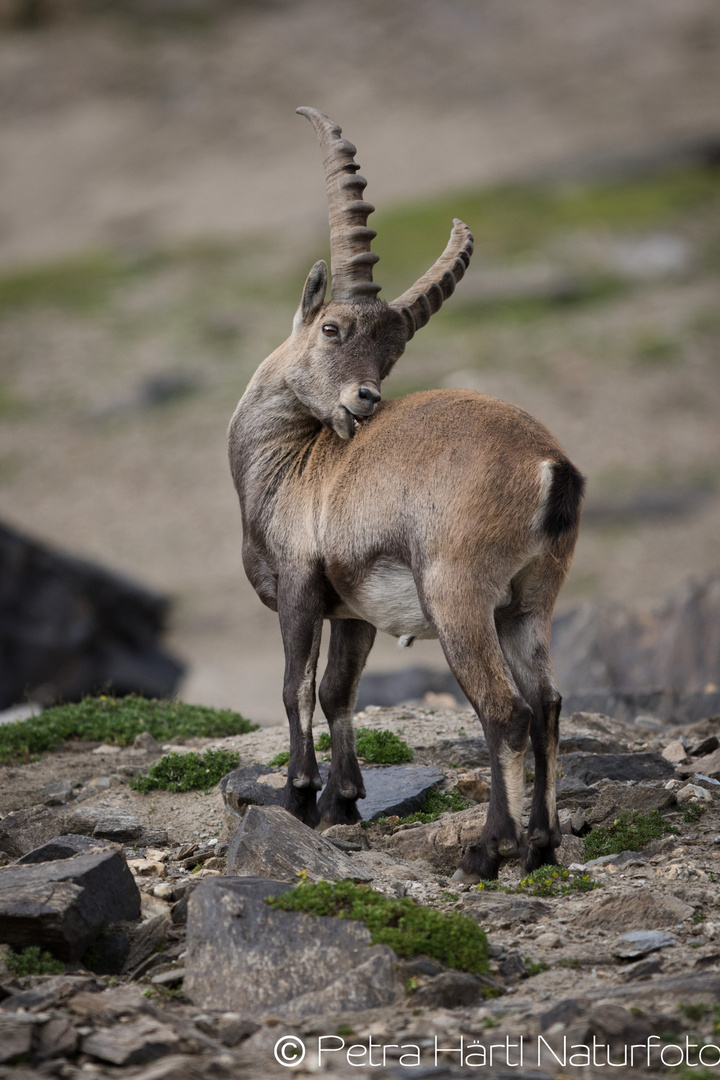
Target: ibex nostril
point(366, 394)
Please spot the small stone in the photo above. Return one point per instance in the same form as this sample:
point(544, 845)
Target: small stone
point(16, 1035)
point(100, 783)
point(164, 891)
point(709, 765)
point(56, 1038)
point(23, 830)
point(146, 741)
point(58, 793)
point(675, 752)
point(641, 969)
point(63, 847)
point(143, 867)
point(609, 1018)
point(107, 748)
point(640, 942)
point(548, 940)
point(106, 822)
point(473, 786)
point(173, 977)
point(693, 793)
point(450, 990)
point(133, 1043)
point(706, 746)
point(441, 843)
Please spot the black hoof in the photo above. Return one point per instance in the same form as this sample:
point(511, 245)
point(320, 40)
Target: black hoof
point(535, 857)
point(333, 809)
point(301, 802)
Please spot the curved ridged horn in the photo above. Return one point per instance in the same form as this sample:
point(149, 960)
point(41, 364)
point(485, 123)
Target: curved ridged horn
point(351, 260)
point(426, 296)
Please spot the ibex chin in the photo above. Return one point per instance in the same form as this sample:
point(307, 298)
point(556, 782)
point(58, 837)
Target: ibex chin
point(445, 514)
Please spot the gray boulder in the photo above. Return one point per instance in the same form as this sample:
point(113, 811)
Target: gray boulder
point(63, 905)
point(270, 842)
point(246, 957)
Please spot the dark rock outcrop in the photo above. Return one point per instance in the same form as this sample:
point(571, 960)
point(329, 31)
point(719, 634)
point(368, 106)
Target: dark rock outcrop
point(69, 628)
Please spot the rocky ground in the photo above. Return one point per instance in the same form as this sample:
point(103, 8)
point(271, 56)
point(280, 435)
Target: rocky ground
point(636, 959)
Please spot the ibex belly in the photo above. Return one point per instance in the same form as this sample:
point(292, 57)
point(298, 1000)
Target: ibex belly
point(388, 599)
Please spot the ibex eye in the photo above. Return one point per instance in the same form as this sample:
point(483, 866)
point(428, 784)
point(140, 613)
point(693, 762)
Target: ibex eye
point(330, 329)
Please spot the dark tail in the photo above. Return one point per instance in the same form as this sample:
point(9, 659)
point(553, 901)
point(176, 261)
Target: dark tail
point(562, 512)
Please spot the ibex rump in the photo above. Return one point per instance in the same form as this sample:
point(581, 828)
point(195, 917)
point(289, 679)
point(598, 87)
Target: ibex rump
point(450, 514)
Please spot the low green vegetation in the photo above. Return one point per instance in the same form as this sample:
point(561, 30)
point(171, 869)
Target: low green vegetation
point(436, 804)
point(324, 742)
point(32, 961)
point(545, 881)
point(116, 720)
point(694, 811)
point(187, 772)
point(401, 923)
point(536, 967)
point(280, 760)
point(628, 832)
point(514, 219)
point(381, 747)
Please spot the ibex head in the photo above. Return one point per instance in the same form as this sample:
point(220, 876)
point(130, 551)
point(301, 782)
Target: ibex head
point(342, 349)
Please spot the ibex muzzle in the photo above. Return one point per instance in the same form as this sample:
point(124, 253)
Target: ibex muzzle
point(445, 514)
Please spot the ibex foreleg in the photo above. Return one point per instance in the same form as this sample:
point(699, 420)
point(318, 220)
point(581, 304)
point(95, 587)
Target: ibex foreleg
point(300, 613)
point(350, 643)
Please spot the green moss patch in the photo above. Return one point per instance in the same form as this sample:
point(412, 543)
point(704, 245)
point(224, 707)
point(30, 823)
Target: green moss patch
point(281, 759)
point(381, 747)
point(628, 832)
point(32, 961)
point(116, 720)
point(187, 772)
point(404, 925)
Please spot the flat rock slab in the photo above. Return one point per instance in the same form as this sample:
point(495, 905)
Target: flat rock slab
point(614, 797)
point(270, 842)
point(441, 843)
point(111, 823)
point(392, 789)
point(466, 752)
point(642, 910)
point(397, 789)
point(23, 830)
point(63, 905)
point(63, 847)
point(708, 765)
point(133, 1043)
point(640, 942)
point(245, 957)
point(593, 767)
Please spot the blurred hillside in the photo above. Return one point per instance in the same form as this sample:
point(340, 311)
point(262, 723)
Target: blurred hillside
point(161, 204)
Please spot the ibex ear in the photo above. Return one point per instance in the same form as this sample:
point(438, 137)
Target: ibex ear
point(313, 296)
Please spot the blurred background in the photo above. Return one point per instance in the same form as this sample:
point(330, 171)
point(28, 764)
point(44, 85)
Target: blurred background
point(162, 203)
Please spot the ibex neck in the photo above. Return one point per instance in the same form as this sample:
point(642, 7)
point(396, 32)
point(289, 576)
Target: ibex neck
point(270, 432)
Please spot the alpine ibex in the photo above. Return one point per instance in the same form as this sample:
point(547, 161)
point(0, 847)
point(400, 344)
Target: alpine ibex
point(449, 514)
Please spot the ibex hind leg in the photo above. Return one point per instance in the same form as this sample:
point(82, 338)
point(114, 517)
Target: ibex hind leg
point(350, 644)
point(524, 633)
point(464, 621)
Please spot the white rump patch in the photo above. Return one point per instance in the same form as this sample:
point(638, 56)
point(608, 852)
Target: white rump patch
point(545, 476)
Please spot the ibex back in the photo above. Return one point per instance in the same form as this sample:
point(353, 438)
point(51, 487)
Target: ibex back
point(445, 514)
